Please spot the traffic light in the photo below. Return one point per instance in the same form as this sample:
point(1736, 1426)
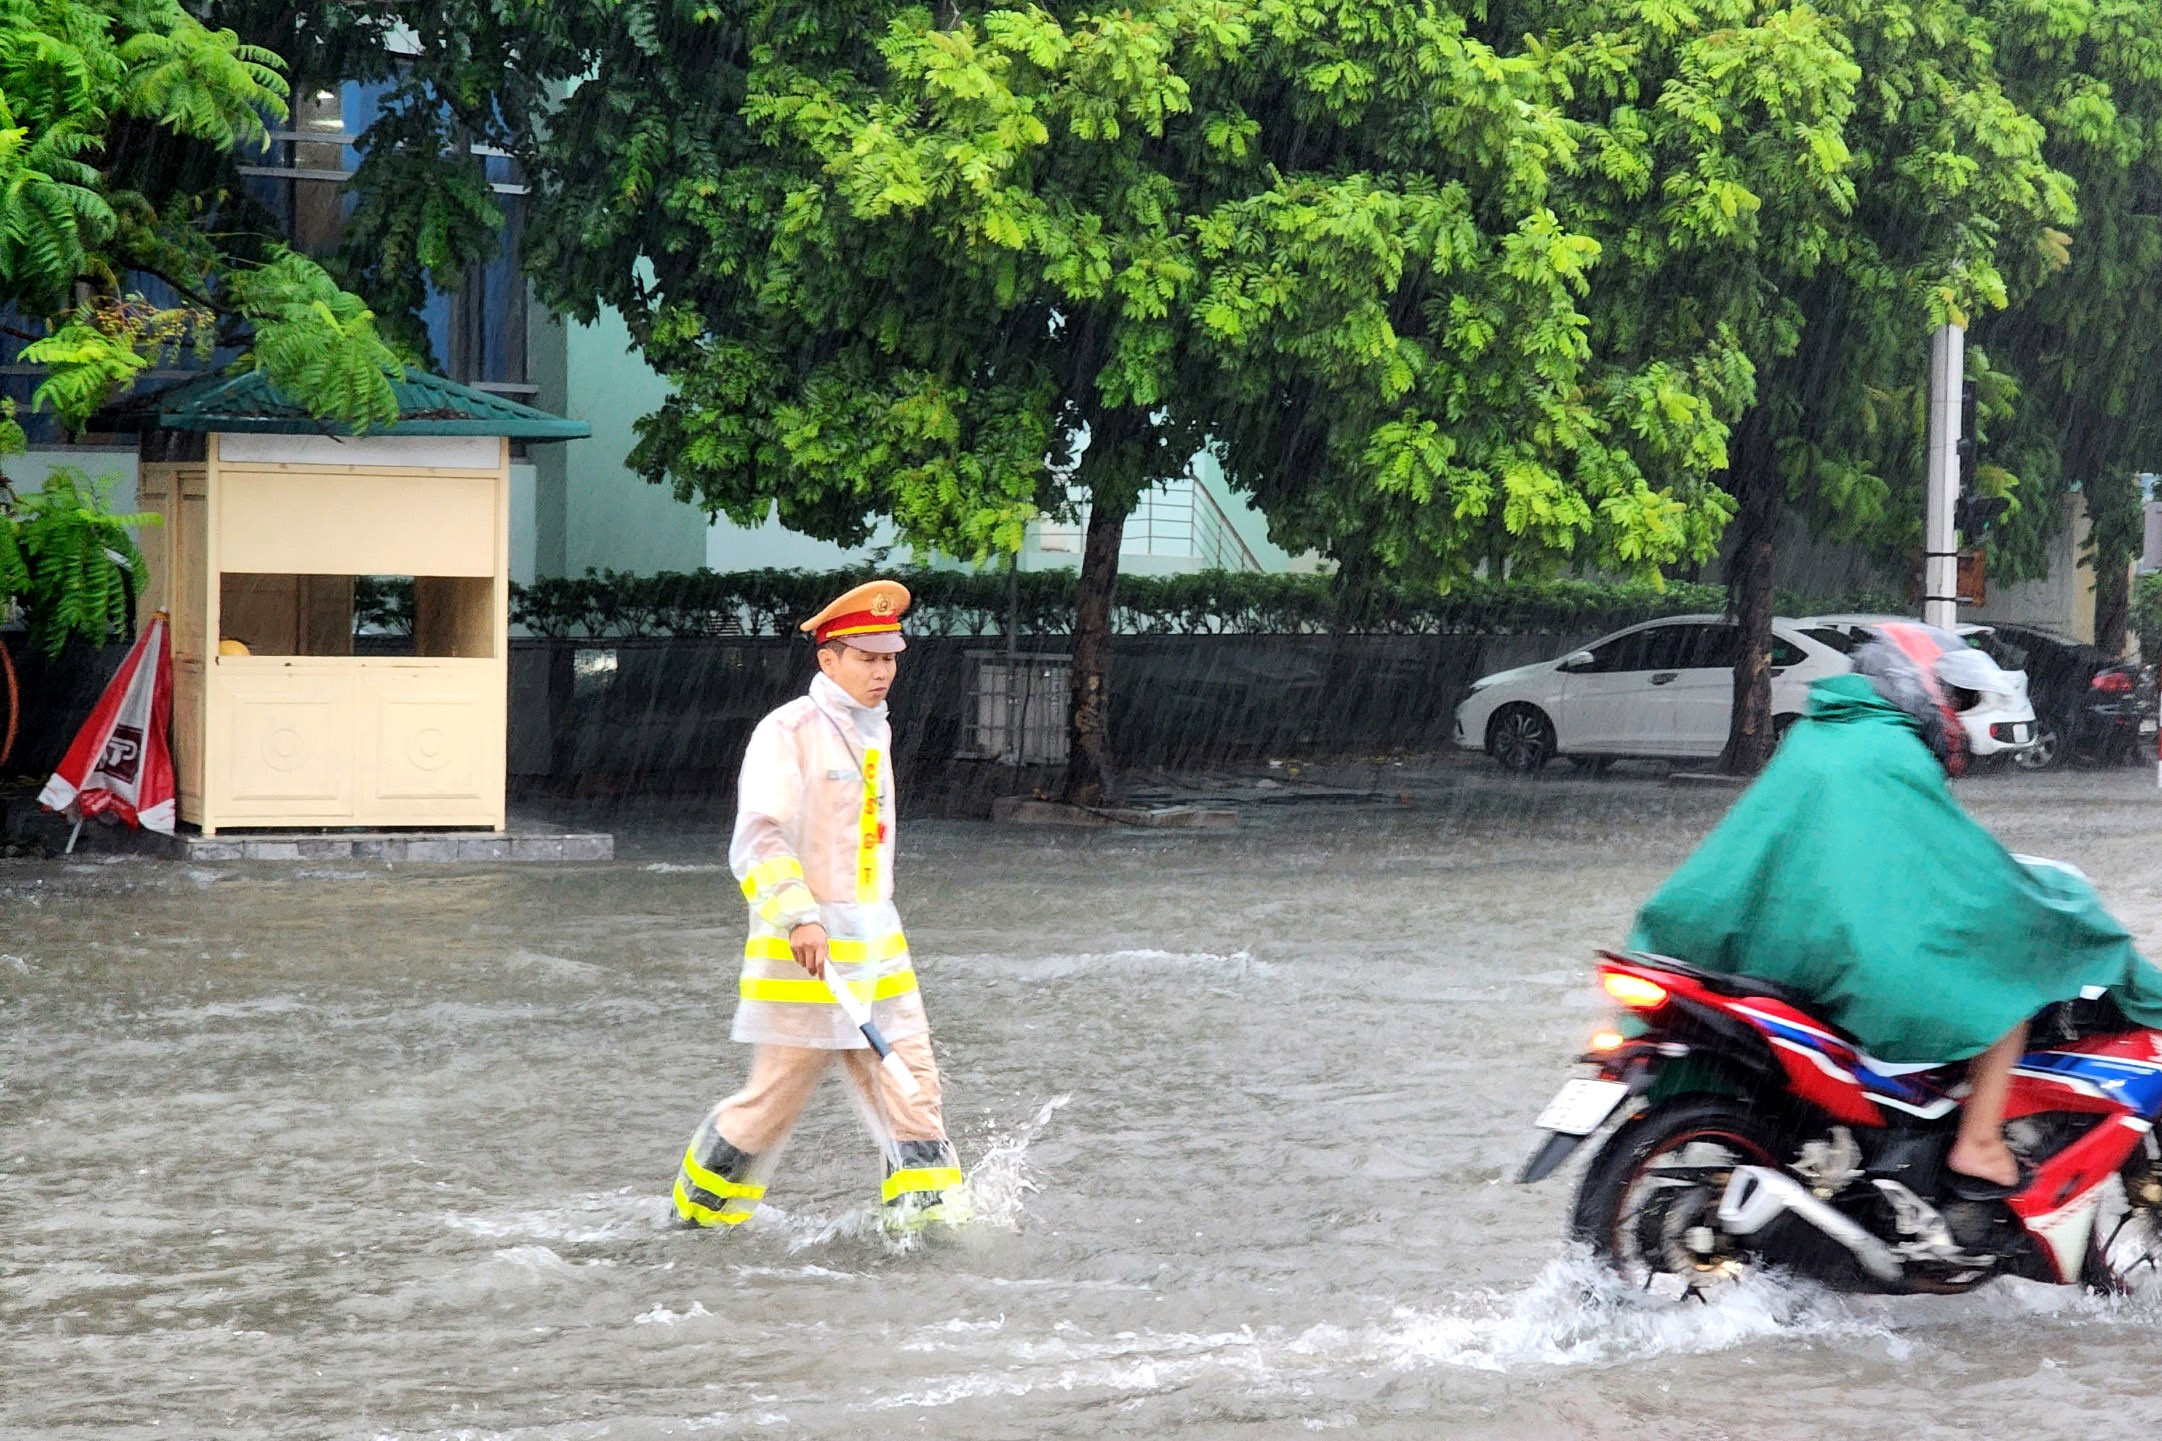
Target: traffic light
point(1974, 515)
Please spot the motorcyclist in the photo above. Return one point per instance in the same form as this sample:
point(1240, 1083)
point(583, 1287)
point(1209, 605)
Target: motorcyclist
point(1849, 873)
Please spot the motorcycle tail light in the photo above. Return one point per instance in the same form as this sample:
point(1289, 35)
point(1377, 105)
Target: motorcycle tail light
point(1635, 992)
point(2112, 682)
point(1606, 1041)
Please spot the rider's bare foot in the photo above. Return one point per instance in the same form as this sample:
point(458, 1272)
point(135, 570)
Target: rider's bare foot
point(1986, 1160)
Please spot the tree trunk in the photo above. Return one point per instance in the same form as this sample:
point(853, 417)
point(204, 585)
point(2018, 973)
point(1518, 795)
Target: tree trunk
point(2112, 603)
point(1749, 597)
point(1088, 761)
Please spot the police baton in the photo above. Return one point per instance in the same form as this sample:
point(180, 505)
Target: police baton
point(860, 1013)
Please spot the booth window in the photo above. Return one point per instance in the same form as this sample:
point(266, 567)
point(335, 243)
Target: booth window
point(450, 616)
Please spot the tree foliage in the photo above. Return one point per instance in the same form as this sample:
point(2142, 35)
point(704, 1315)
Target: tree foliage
point(120, 124)
point(1956, 212)
point(2087, 349)
point(69, 558)
point(446, 78)
point(956, 268)
point(1453, 288)
point(894, 259)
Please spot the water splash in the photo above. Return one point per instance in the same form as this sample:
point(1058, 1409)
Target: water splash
point(1000, 1182)
point(998, 1185)
point(1576, 1312)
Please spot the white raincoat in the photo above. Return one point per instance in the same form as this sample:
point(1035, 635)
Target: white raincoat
point(814, 842)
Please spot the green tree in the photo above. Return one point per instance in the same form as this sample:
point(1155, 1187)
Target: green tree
point(445, 79)
point(2087, 349)
point(69, 561)
point(120, 124)
point(955, 268)
point(1957, 213)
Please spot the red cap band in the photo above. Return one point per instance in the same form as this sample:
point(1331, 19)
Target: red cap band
point(861, 622)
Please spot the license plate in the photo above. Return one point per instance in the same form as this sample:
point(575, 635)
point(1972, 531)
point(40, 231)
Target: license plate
point(1581, 1106)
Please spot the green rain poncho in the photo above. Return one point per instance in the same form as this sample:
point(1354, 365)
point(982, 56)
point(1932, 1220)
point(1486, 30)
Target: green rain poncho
point(1849, 873)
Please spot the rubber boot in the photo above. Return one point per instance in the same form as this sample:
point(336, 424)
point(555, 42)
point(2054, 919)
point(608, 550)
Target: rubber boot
point(924, 1186)
point(717, 1184)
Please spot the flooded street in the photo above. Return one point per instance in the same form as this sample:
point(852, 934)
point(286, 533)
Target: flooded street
point(290, 1151)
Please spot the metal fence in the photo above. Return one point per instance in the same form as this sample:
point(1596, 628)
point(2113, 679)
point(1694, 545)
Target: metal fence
point(671, 716)
point(1019, 711)
point(674, 714)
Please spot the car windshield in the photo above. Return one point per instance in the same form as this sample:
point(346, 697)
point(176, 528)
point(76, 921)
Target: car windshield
point(1842, 641)
point(2006, 653)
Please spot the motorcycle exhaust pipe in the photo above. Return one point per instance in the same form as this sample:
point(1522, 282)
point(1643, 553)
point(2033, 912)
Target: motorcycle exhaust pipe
point(1758, 1195)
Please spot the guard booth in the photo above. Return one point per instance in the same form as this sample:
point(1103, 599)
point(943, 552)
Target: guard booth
point(272, 527)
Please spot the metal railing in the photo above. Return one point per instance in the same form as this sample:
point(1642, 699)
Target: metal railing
point(1183, 519)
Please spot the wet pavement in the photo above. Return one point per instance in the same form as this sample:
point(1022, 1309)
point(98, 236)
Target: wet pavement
point(379, 1152)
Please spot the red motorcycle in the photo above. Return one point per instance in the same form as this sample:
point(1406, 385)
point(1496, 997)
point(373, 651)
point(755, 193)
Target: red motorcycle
point(1755, 1134)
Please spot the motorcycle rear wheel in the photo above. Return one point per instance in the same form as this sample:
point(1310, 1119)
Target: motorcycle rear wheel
point(1648, 1204)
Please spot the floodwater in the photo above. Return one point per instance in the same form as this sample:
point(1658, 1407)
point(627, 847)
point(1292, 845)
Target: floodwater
point(371, 1153)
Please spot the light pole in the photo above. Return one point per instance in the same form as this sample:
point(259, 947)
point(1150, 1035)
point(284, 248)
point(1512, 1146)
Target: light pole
point(1940, 547)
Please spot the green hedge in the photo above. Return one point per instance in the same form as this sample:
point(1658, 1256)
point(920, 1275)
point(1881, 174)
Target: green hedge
point(603, 604)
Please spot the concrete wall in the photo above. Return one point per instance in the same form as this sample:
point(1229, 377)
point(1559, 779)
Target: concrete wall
point(589, 508)
point(729, 546)
point(2061, 602)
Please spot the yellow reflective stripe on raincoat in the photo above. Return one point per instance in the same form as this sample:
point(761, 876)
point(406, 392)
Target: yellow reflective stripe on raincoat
point(768, 875)
point(715, 1183)
point(807, 992)
point(690, 1210)
point(872, 832)
point(928, 1178)
point(847, 952)
point(790, 900)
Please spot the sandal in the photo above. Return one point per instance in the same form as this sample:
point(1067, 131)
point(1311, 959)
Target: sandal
point(1977, 1188)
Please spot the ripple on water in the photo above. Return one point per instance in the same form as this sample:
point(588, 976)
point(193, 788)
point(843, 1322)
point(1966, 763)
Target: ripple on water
point(596, 1216)
point(1183, 964)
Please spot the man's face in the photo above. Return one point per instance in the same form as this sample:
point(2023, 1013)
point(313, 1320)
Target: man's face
point(865, 676)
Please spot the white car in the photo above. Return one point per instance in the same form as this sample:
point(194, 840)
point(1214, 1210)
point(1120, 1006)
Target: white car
point(1995, 722)
point(1663, 689)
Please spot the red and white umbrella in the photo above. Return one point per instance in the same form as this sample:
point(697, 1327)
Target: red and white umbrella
point(121, 764)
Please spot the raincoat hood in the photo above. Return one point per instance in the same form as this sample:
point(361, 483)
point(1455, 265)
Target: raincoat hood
point(828, 693)
point(1850, 873)
point(1839, 699)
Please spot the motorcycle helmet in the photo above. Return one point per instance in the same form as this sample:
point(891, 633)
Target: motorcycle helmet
point(1932, 675)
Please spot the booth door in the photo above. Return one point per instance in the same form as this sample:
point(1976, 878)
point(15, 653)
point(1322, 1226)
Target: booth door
point(434, 737)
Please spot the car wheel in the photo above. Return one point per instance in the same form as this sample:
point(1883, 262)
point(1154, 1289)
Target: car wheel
point(1520, 738)
point(2047, 750)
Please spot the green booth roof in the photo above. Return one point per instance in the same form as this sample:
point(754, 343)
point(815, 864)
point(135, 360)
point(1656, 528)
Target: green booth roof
point(427, 405)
